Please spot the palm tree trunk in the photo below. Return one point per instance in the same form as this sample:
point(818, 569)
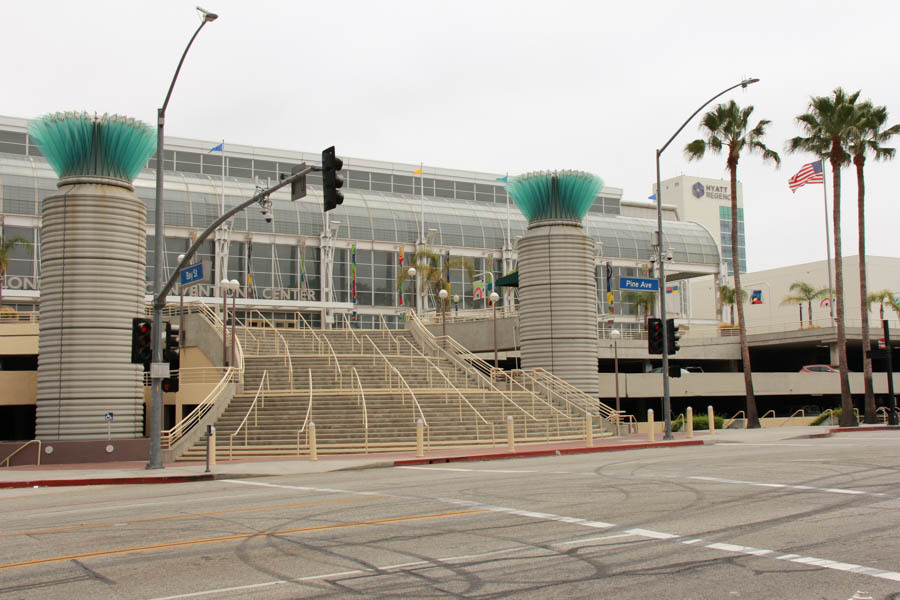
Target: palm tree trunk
point(810, 312)
point(752, 415)
point(800, 306)
point(847, 417)
point(863, 292)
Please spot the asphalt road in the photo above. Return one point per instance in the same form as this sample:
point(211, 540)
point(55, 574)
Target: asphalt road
point(794, 519)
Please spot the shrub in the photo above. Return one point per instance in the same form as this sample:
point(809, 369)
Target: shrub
point(821, 419)
point(701, 422)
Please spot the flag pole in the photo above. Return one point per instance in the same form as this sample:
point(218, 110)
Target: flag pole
point(422, 199)
point(827, 239)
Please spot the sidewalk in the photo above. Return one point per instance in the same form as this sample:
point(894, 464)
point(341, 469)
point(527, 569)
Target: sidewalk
point(135, 472)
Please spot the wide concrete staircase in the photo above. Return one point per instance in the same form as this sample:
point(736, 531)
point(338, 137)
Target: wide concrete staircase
point(365, 391)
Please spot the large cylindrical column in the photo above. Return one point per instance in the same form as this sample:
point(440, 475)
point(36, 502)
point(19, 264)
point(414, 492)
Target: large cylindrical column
point(93, 239)
point(558, 302)
point(92, 285)
point(557, 284)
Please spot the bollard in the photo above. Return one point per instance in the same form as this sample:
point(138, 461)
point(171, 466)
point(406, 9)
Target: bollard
point(712, 419)
point(208, 432)
point(588, 431)
point(650, 424)
point(689, 421)
point(313, 451)
point(420, 438)
point(510, 434)
point(212, 445)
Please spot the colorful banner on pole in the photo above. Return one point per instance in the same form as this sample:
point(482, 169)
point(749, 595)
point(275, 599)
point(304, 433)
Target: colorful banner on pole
point(400, 268)
point(353, 274)
point(610, 307)
point(478, 290)
point(756, 297)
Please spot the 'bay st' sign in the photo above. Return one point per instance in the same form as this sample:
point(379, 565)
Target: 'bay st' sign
point(638, 284)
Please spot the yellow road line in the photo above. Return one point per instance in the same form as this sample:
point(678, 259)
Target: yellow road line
point(228, 538)
point(185, 516)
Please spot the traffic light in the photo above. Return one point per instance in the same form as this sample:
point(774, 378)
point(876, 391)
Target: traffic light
point(672, 336)
point(141, 350)
point(171, 355)
point(654, 336)
point(332, 180)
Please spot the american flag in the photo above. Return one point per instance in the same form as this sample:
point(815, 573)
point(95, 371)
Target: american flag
point(809, 173)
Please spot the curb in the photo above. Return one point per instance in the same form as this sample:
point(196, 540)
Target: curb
point(105, 481)
point(539, 453)
point(834, 430)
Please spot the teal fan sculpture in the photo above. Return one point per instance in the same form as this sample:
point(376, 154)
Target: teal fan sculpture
point(78, 143)
point(554, 194)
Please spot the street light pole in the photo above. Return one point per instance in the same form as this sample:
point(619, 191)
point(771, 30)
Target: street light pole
point(615, 334)
point(180, 307)
point(443, 296)
point(667, 405)
point(155, 425)
point(494, 297)
point(235, 287)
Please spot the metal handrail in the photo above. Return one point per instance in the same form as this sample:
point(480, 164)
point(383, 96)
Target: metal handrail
point(339, 373)
point(309, 328)
point(308, 413)
point(884, 414)
point(259, 394)
point(468, 361)
point(169, 437)
point(362, 395)
point(464, 399)
point(287, 350)
point(799, 412)
point(767, 414)
point(352, 333)
point(538, 375)
point(401, 379)
point(728, 422)
point(22, 447)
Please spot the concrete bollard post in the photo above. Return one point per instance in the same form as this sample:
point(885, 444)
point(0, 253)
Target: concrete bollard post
point(689, 421)
point(588, 431)
point(212, 445)
point(711, 415)
point(650, 425)
point(420, 438)
point(313, 451)
point(510, 434)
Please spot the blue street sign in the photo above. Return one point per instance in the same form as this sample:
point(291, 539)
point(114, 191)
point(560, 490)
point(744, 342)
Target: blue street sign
point(192, 274)
point(638, 284)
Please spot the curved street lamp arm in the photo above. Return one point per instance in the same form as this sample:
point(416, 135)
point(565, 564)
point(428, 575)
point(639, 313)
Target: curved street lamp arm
point(162, 110)
point(743, 83)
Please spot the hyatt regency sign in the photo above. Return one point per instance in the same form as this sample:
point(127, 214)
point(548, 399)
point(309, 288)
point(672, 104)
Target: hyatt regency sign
point(713, 192)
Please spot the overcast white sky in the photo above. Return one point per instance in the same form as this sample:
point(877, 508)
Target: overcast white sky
point(482, 85)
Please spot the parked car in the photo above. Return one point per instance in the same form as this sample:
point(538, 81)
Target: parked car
point(819, 369)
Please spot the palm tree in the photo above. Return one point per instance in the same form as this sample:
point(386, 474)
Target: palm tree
point(643, 302)
point(6, 247)
point(728, 297)
point(867, 135)
point(726, 128)
point(435, 272)
point(883, 297)
point(827, 125)
point(803, 292)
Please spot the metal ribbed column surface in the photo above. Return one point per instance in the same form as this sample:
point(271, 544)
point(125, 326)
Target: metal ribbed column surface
point(558, 302)
point(92, 284)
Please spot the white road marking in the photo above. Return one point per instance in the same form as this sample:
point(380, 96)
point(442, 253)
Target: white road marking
point(646, 533)
point(791, 487)
point(848, 492)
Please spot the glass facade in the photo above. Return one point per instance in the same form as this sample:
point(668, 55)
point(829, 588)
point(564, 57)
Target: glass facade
point(281, 261)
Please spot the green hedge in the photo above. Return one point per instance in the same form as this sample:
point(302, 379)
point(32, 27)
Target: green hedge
point(821, 419)
point(701, 422)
